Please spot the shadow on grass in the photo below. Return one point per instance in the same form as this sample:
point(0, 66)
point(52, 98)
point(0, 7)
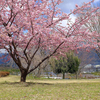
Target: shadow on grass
point(24, 84)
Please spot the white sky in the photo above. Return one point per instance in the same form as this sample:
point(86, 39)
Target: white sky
point(3, 51)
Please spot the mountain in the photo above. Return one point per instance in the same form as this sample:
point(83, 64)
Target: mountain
point(6, 61)
point(90, 57)
point(86, 58)
point(4, 58)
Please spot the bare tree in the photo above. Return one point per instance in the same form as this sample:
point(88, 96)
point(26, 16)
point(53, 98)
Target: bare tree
point(93, 25)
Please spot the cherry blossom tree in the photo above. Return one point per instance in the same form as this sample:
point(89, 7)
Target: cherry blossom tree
point(25, 24)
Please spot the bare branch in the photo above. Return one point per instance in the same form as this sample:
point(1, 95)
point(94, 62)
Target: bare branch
point(36, 49)
point(46, 57)
point(29, 62)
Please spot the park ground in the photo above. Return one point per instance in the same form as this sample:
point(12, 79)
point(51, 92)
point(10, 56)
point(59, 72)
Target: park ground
point(49, 89)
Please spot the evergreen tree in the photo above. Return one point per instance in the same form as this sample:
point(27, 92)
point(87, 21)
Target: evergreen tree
point(63, 65)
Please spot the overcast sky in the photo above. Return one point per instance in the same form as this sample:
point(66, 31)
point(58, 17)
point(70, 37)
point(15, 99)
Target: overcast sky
point(68, 5)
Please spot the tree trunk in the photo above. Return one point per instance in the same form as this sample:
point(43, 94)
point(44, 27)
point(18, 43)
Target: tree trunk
point(63, 75)
point(23, 76)
point(76, 75)
point(39, 72)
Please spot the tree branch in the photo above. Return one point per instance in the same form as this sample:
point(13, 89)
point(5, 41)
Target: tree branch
point(46, 58)
point(36, 49)
point(33, 55)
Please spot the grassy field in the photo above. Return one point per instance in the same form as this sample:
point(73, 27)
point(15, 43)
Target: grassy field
point(45, 89)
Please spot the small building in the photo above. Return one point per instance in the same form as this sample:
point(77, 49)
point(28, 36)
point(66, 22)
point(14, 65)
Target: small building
point(91, 68)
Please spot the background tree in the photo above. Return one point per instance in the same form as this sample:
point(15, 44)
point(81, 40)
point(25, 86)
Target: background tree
point(73, 63)
point(68, 64)
point(25, 24)
point(93, 25)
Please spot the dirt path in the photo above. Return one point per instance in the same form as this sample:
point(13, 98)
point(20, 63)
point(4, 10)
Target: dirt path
point(10, 79)
point(66, 81)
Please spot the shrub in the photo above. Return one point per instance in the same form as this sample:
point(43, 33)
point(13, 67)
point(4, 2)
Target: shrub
point(3, 74)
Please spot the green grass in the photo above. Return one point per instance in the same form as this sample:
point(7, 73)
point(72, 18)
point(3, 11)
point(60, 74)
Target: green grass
point(11, 89)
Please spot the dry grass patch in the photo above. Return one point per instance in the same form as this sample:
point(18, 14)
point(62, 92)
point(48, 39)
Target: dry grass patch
point(11, 89)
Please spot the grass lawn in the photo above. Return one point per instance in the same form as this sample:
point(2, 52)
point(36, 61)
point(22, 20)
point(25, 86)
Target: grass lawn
point(45, 89)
